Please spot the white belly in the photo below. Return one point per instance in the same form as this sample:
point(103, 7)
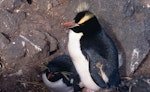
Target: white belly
point(79, 60)
point(57, 86)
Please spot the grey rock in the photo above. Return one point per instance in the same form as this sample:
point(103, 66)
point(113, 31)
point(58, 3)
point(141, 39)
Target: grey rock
point(34, 41)
point(14, 50)
point(53, 43)
point(6, 4)
point(33, 44)
point(37, 38)
point(42, 5)
point(137, 84)
point(10, 21)
point(10, 5)
point(3, 41)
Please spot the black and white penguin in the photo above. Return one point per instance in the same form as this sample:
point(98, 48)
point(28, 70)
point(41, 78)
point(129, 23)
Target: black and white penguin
point(92, 51)
point(61, 76)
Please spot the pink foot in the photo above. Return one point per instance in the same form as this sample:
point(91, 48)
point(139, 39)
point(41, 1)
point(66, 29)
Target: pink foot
point(87, 90)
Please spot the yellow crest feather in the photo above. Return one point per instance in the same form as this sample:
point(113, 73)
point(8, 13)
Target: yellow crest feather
point(82, 7)
point(86, 18)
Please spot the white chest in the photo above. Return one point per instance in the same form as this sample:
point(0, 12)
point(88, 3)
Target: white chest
point(57, 86)
point(79, 60)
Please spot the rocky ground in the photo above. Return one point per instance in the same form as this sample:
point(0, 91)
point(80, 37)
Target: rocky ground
point(31, 34)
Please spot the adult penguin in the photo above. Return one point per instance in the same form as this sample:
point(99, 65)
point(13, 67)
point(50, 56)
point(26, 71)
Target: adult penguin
point(92, 51)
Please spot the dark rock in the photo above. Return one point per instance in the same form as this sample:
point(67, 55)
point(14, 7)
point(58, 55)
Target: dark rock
point(54, 45)
point(36, 35)
point(11, 5)
point(14, 50)
point(144, 68)
point(10, 21)
point(42, 5)
point(141, 85)
point(137, 84)
point(30, 44)
point(34, 42)
point(29, 1)
point(6, 4)
point(3, 41)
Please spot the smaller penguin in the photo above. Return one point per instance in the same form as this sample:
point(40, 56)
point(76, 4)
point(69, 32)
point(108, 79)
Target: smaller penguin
point(61, 75)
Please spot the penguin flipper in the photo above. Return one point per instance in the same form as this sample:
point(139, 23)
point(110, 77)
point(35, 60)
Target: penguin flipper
point(96, 64)
point(102, 71)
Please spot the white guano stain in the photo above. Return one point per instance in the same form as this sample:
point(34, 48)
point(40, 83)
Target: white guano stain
point(34, 45)
point(134, 59)
point(13, 42)
point(17, 10)
point(5, 24)
point(18, 73)
point(23, 43)
point(148, 5)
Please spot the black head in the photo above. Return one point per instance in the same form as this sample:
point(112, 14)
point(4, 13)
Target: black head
point(57, 66)
point(87, 23)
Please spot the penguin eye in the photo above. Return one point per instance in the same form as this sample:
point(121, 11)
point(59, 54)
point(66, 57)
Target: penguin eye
point(79, 16)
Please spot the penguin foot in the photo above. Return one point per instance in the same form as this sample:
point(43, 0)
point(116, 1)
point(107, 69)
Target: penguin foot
point(87, 90)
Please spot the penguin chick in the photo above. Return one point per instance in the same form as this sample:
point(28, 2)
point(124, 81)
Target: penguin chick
point(61, 75)
point(93, 52)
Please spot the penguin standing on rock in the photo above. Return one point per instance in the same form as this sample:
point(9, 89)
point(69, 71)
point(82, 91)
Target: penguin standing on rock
point(92, 51)
point(61, 76)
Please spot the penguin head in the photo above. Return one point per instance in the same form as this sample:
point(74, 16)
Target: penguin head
point(84, 22)
point(61, 76)
point(57, 67)
point(53, 74)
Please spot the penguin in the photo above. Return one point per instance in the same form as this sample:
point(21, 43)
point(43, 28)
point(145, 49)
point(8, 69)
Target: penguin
point(92, 51)
point(61, 76)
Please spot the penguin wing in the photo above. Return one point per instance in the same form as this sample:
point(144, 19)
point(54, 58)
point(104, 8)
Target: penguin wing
point(100, 69)
point(96, 64)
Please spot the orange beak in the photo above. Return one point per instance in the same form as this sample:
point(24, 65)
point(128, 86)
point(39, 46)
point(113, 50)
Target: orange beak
point(49, 76)
point(70, 24)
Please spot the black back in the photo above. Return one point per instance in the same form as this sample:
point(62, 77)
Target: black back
point(99, 48)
